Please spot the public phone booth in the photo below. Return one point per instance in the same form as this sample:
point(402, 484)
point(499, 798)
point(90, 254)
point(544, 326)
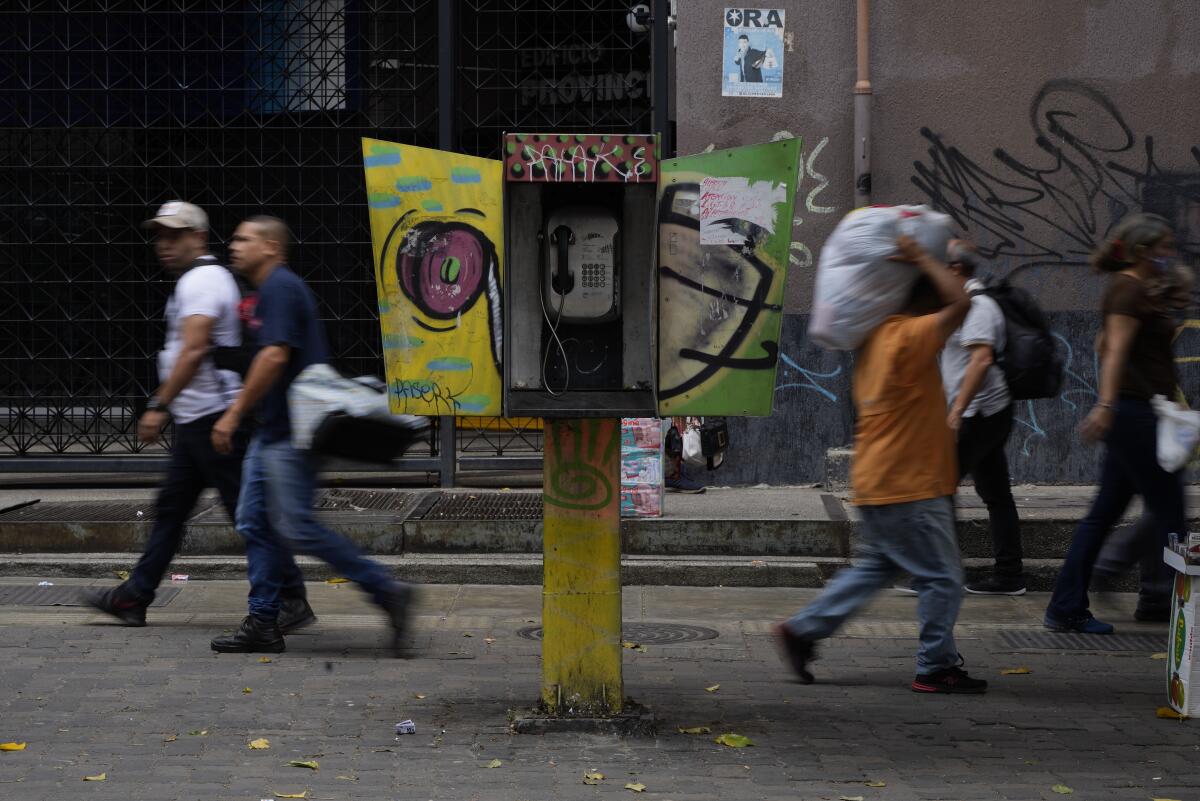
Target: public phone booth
point(581, 279)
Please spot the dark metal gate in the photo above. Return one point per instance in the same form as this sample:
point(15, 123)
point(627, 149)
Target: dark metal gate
point(111, 107)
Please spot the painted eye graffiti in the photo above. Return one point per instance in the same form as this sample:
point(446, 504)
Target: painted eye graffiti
point(443, 267)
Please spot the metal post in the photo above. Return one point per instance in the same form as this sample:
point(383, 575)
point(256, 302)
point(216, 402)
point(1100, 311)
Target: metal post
point(661, 69)
point(447, 452)
point(862, 109)
point(581, 587)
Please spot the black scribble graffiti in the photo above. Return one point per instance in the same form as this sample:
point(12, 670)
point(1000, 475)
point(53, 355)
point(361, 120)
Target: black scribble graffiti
point(426, 392)
point(1092, 170)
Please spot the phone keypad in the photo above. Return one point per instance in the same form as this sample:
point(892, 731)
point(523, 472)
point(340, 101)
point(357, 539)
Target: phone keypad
point(595, 276)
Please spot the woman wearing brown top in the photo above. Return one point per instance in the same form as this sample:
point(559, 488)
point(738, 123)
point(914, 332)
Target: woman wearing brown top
point(1136, 363)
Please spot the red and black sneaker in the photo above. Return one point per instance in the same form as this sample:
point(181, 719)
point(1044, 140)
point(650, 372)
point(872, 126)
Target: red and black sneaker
point(949, 680)
point(118, 602)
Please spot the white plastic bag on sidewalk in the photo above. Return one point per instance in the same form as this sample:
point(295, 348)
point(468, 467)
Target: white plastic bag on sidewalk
point(1178, 433)
point(857, 287)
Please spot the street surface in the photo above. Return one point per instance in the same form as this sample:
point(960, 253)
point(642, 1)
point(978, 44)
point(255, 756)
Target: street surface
point(163, 718)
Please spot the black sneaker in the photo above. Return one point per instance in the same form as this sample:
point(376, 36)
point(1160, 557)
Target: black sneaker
point(996, 585)
point(255, 636)
point(295, 614)
point(397, 603)
point(685, 485)
point(118, 602)
point(949, 680)
point(799, 651)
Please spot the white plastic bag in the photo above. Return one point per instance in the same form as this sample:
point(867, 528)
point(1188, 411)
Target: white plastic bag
point(321, 390)
point(1178, 433)
point(857, 287)
point(693, 453)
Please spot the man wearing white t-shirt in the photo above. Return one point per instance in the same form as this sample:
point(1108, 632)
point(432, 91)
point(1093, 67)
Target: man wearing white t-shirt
point(201, 314)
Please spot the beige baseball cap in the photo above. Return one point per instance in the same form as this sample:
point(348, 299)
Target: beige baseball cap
point(177, 214)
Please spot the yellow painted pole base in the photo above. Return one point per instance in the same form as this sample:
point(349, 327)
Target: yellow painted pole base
point(581, 592)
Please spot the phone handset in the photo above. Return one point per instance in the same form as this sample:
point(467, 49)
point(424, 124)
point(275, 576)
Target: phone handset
point(563, 280)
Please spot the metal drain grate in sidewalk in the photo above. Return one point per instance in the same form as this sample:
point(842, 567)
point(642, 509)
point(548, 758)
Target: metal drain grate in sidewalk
point(95, 512)
point(646, 633)
point(19, 595)
point(358, 500)
point(487, 506)
point(1052, 641)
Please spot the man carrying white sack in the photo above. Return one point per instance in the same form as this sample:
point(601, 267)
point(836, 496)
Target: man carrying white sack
point(904, 478)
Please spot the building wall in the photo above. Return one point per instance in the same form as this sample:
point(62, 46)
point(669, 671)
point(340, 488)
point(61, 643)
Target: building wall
point(1036, 125)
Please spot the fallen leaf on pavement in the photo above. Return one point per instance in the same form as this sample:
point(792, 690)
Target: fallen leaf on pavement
point(246, 691)
point(301, 794)
point(1061, 789)
point(171, 738)
point(712, 689)
point(641, 649)
point(99, 777)
point(198, 732)
point(593, 777)
point(1159, 655)
point(468, 634)
point(630, 645)
point(695, 730)
point(877, 784)
point(1164, 799)
point(123, 575)
point(637, 787)
point(266, 660)
point(299, 763)
point(489, 640)
point(418, 696)
point(495, 763)
point(337, 580)
point(348, 778)
point(1167, 713)
point(12, 746)
point(1017, 671)
point(733, 740)
point(261, 744)
point(850, 798)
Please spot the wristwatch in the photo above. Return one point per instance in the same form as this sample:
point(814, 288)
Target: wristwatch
point(155, 405)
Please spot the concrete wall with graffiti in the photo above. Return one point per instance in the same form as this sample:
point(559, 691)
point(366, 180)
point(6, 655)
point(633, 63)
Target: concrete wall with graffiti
point(1036, 126)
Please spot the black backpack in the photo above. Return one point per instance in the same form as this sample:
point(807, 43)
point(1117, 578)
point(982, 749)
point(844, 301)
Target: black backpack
point(238, 358)
point(1032, 364)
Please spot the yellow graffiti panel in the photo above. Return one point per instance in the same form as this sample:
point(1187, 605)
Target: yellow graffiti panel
point(437, 233)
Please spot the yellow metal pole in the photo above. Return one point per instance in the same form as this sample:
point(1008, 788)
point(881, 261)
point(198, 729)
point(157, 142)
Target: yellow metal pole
point(581, 587)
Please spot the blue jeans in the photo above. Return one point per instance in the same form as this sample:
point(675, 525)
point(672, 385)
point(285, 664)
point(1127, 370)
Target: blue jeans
point(919, 538)
point(1130, 468)
point(268, 560)
point(286, 481)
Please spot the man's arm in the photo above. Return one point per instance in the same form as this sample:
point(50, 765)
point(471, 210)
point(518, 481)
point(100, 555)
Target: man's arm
point(948, 287)
point(982, 358)
point(195, 333)
point(265, 370)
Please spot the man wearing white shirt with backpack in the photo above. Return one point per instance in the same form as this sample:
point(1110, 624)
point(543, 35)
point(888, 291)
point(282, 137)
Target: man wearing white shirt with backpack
point(202, 314)
point(981, 414)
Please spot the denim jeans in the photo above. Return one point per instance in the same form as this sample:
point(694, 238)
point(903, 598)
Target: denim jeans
point(1130, 467)
point(981, 442)
point(919, 538)
point(284, 481)
point(194, 466)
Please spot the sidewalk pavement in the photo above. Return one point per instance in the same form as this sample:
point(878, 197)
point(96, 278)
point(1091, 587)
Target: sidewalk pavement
point(164, 718)
point(739, 536)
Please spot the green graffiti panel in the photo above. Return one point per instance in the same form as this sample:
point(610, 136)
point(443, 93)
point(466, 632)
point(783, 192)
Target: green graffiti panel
point(725, 226)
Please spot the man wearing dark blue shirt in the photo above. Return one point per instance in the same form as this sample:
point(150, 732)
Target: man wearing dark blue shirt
point(276, 475)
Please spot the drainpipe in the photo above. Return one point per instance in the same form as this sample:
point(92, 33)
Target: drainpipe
point(862, 112)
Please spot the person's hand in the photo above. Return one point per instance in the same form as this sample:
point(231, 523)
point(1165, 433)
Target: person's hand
point(1096, 425)
point(907, 250)
point(954, 419)
point(224, 429)
point(150, 426)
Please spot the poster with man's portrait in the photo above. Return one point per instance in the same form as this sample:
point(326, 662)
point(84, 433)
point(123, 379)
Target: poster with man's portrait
point(752, 62)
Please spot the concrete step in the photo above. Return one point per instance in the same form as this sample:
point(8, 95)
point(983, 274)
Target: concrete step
point(431, 568)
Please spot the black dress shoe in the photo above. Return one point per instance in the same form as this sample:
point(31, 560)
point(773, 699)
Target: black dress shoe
point(295, 614)
point(398, 605)
point(254, 637)
point(798, 652)
point(118, 602)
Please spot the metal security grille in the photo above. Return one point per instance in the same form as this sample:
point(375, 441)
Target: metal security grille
point(110, 107)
